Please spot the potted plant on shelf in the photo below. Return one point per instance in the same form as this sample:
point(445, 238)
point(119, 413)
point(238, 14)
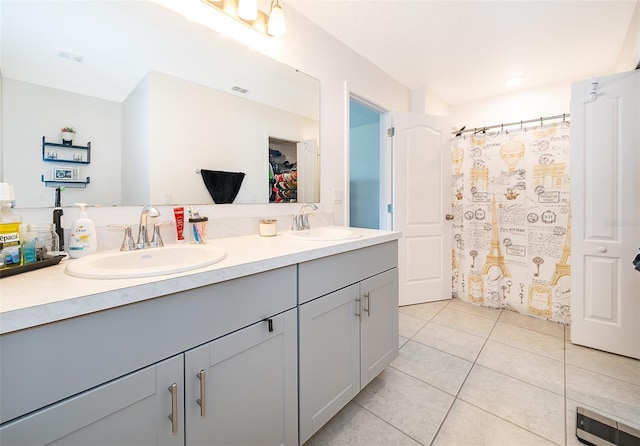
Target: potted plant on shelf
point(67, 135)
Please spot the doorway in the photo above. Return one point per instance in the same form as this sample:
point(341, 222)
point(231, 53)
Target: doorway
point(365, 164)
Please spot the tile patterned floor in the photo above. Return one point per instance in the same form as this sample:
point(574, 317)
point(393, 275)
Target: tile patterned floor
point(468, 375)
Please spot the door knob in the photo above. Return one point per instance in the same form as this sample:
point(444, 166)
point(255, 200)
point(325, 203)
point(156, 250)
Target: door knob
point(449, 217)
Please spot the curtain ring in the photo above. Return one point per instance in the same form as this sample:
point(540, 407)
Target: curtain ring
point(541, 123)
point(501, 128)
point(563, 117)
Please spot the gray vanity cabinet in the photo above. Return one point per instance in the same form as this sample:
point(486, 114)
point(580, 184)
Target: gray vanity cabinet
point(346, 336)
point(242, 389)
point(105, 378)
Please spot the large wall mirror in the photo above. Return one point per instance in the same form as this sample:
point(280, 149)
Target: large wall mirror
point(160, 98)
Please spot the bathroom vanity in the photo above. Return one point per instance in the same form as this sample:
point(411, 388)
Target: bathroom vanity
point(263, 347)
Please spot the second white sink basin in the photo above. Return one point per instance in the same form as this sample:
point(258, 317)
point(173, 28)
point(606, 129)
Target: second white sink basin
point(327, 233)
point(145, 262)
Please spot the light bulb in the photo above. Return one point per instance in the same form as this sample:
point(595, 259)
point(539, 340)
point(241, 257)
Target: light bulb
point(248, 9)
point(276, 25)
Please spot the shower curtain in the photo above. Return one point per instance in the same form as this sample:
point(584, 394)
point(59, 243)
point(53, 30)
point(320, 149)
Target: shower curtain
point(511, 227)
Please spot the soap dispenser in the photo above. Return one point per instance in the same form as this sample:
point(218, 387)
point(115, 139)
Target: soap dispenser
point(82, 238)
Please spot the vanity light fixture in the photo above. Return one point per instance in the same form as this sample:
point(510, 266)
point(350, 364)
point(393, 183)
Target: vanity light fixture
point(247, 12)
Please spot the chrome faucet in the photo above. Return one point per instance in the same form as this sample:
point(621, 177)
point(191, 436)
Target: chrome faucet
point(143, 233)
point(301, 221)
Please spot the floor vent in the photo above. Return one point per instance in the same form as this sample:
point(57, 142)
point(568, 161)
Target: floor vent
point(597, 430)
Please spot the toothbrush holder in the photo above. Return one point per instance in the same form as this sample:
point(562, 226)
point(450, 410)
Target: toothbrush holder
point(198, 230)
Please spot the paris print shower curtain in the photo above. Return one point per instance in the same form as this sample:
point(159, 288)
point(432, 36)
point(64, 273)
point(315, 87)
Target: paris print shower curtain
point(511, 207)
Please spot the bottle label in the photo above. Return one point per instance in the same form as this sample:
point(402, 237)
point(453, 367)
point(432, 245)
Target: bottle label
point(79, 239)
point(10, 251)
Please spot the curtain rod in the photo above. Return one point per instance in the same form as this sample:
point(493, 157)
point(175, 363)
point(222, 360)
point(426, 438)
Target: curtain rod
point(564, 116)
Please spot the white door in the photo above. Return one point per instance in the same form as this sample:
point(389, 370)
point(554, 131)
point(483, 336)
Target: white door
point(421, 202)
point(605, 189)
point(308, 171)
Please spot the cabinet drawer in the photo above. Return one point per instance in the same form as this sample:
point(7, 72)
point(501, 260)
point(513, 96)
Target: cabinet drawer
point(129, 410)
point(45, 364)
point(322, 276)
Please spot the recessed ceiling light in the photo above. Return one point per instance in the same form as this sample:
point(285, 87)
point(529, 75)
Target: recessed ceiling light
point(515, 80)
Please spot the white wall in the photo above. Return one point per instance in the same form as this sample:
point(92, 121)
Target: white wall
point(545, 101)
point(423, 100)
point(630, 54)
point(31, 112)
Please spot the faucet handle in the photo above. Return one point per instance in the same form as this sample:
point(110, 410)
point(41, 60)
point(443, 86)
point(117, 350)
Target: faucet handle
point(295, 223)
point(128, 244)
point(305, 221)
point(156, 239)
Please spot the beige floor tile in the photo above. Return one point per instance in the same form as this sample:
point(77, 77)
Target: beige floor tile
point(424, 311)
point(532, 323)
point(413, 407)
point(530, 407)
point(523, 365)
point(450, 340)
point(615, 366)
point(572, 440)
point(355, 426)
point(467, 307)
point(619, 398)
point(529, 340)
point(441, 370)
point(409, 325)
point(468, 425)
point(463, 321)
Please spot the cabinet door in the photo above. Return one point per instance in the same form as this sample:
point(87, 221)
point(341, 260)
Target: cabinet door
point(134, 409)
point(329, 357)
point(241, 389)
point(379, 325)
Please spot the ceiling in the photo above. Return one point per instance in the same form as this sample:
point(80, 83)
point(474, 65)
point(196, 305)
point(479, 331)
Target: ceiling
point(464, 50)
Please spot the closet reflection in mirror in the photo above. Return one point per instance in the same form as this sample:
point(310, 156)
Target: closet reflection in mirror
point(158, 97)
point(293, 171)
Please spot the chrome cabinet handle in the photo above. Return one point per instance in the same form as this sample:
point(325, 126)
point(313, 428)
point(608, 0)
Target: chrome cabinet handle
point(173, 389)
point(368, 309)
point(359, 312)
point(202, 401)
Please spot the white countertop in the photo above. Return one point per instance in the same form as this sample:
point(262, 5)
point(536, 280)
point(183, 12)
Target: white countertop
point(48, 295)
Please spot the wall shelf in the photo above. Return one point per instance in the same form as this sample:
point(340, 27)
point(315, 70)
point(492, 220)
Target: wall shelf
point(65, 153)
point(70, 184)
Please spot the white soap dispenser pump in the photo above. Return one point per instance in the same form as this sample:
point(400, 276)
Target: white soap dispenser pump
point(82, 238)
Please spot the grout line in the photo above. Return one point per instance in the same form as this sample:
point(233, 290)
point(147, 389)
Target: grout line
point(509, 422)
point(473, 364)
point(386, 422)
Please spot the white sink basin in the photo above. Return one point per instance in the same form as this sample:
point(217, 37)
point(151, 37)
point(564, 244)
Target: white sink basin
point(145, 262)
point(327, 233)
